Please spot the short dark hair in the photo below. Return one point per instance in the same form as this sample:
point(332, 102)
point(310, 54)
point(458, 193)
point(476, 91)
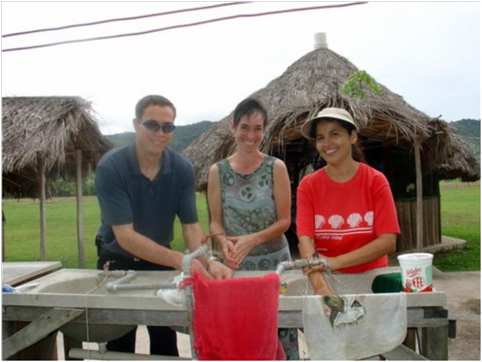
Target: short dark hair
point(153, 100)
point(248, 107)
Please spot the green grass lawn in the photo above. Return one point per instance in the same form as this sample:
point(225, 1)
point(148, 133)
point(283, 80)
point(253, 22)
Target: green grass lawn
point(23, 225)
point(460, 219)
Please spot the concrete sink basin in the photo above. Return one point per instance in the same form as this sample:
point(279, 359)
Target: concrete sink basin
point(88, 290)
point(294, 283)
point(85, 285)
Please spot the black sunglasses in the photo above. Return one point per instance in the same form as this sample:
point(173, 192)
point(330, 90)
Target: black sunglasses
point(154, 126)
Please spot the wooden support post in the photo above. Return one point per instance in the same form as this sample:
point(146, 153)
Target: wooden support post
point(42, 192)
point(45, 349)
point(411, 339)
point(89, 169)
point(435, 343)
point(37, 330)
point(3, 234)
point(439, 236)
point(418, 170)
point(80, 225)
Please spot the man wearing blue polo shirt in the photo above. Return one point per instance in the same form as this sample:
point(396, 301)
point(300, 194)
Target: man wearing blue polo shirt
point(141, 188)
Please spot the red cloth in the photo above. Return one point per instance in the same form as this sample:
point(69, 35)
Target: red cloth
point(237, 319)
point(344, 216)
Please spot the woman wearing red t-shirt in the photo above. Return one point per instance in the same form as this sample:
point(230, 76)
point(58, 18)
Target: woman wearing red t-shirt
point(345, 210)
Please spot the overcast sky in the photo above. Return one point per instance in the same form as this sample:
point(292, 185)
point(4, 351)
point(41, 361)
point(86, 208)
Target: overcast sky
point(428, 52)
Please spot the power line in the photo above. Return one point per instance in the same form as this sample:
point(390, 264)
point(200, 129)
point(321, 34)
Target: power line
point(183, 26)
point(124, 19)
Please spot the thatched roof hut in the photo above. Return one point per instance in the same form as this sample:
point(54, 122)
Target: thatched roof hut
point(45, 137)
point(312, 83)
point(389, 129)
point(48, 131)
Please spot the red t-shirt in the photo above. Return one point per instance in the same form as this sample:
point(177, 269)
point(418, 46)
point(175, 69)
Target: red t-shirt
point(344, 216)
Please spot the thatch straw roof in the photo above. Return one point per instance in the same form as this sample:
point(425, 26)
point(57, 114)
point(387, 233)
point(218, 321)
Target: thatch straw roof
point(312, 83)
point(48, 129)
point(460, 160)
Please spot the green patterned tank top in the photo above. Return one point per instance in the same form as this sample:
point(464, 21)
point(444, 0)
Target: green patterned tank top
point(248, 203)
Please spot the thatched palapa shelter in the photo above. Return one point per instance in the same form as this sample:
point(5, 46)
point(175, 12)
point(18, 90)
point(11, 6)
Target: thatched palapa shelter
point(408, 146)
point(47, 137)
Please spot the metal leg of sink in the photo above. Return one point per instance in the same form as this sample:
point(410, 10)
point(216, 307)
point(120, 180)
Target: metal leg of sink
point(38, 330)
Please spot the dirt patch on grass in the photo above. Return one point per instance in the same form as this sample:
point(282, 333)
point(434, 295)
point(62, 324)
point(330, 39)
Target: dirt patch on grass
point(473, 305)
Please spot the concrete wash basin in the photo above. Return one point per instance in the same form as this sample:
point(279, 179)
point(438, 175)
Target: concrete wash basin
point(86, 285)
point(295, 284)
point(90, 285)
point(86, 289)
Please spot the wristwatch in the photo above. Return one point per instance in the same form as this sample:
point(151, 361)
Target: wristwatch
point(215, 258)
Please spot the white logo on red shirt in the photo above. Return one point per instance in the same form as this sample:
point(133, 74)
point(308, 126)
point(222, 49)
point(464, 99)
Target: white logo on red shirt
point(319, 221)
point(334, 230)
point(369, 218)
point(354, 220)
point(336, 221)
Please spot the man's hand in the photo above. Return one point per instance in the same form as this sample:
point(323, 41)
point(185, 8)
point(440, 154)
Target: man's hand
point(218, 270)
point(197, 266)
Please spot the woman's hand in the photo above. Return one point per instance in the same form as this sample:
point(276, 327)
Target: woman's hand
point(227, 246)
point(315, 275)
point(332, 264)
point(324, 290)
point(218, 270)
point(242, 246)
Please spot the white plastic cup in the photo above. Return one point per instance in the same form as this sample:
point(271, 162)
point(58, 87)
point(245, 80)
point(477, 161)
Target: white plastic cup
point(416, 270)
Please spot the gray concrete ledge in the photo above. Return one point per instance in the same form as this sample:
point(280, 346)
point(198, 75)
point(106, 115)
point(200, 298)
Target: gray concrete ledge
point(448, 243)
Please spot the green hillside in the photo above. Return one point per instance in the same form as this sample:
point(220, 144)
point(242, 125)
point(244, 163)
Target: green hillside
point(183, 135)
point(469, 130)
point(120, 139)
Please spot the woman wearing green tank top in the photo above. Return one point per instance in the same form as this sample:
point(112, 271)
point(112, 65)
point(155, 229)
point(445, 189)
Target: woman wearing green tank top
point(249, 199)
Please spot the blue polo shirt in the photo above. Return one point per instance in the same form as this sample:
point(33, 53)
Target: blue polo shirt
point(126, 196)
